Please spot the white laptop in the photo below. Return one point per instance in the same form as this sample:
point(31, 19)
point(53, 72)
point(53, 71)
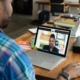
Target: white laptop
point(48, 58)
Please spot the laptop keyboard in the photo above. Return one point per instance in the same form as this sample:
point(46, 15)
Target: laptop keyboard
point(38, 56)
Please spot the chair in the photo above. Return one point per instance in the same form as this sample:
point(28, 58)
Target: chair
point(58, 6)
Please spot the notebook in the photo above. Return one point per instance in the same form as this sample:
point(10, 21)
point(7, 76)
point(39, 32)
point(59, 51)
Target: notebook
point(51, 44)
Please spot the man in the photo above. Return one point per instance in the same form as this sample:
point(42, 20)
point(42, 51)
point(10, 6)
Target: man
point(51, 47)
point(14, 63)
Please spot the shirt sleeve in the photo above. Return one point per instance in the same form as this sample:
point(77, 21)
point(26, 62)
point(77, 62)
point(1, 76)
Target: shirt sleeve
point(14, 62)
point(8, 73)
point(1, 75)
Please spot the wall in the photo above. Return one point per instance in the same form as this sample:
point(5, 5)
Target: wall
point(35, 7)
point(71, 0)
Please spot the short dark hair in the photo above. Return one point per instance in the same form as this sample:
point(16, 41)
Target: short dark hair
point(2, 0)
point(52, 36)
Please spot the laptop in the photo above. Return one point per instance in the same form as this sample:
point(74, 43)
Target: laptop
point(45, 57)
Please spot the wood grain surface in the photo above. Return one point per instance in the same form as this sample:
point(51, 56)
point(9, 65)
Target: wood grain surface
point(70, 58)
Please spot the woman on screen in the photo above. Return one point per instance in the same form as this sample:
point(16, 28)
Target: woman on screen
point(51, 47)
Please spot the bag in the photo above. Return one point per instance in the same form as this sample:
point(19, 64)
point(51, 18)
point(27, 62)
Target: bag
point(43, 17)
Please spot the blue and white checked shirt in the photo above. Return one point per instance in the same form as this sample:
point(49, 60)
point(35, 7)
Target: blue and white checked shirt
point(14, 62)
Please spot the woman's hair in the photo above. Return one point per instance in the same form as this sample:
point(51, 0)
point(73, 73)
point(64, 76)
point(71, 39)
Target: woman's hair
point(52, 36)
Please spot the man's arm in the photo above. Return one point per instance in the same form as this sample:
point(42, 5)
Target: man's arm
point(73, 70)
point(61, 78)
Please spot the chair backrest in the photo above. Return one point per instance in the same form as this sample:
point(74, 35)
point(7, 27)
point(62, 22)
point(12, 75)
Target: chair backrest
point(56, 1)
point(56, 6)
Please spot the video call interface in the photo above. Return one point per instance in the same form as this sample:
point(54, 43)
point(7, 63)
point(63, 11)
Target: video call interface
point(54, 45)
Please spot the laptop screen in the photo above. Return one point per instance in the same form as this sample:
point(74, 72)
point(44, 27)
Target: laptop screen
point(52, 40)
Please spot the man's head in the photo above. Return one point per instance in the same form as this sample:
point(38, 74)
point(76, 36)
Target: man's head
point(51, 40)
point(5, 12)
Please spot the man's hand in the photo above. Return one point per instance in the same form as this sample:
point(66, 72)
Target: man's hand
point(73, 70)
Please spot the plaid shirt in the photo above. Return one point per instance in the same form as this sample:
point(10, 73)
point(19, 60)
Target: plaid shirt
point(14, 62)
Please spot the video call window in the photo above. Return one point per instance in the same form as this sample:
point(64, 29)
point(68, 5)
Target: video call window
point(58, 41)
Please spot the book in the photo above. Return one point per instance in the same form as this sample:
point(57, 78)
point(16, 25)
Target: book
point(24, 44)
point(65, 24)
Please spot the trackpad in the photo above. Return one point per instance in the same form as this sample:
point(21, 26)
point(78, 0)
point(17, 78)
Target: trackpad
point(46, 65)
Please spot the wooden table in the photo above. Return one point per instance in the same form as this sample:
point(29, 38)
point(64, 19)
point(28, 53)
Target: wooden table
point(43, 3)
point(71, 57)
